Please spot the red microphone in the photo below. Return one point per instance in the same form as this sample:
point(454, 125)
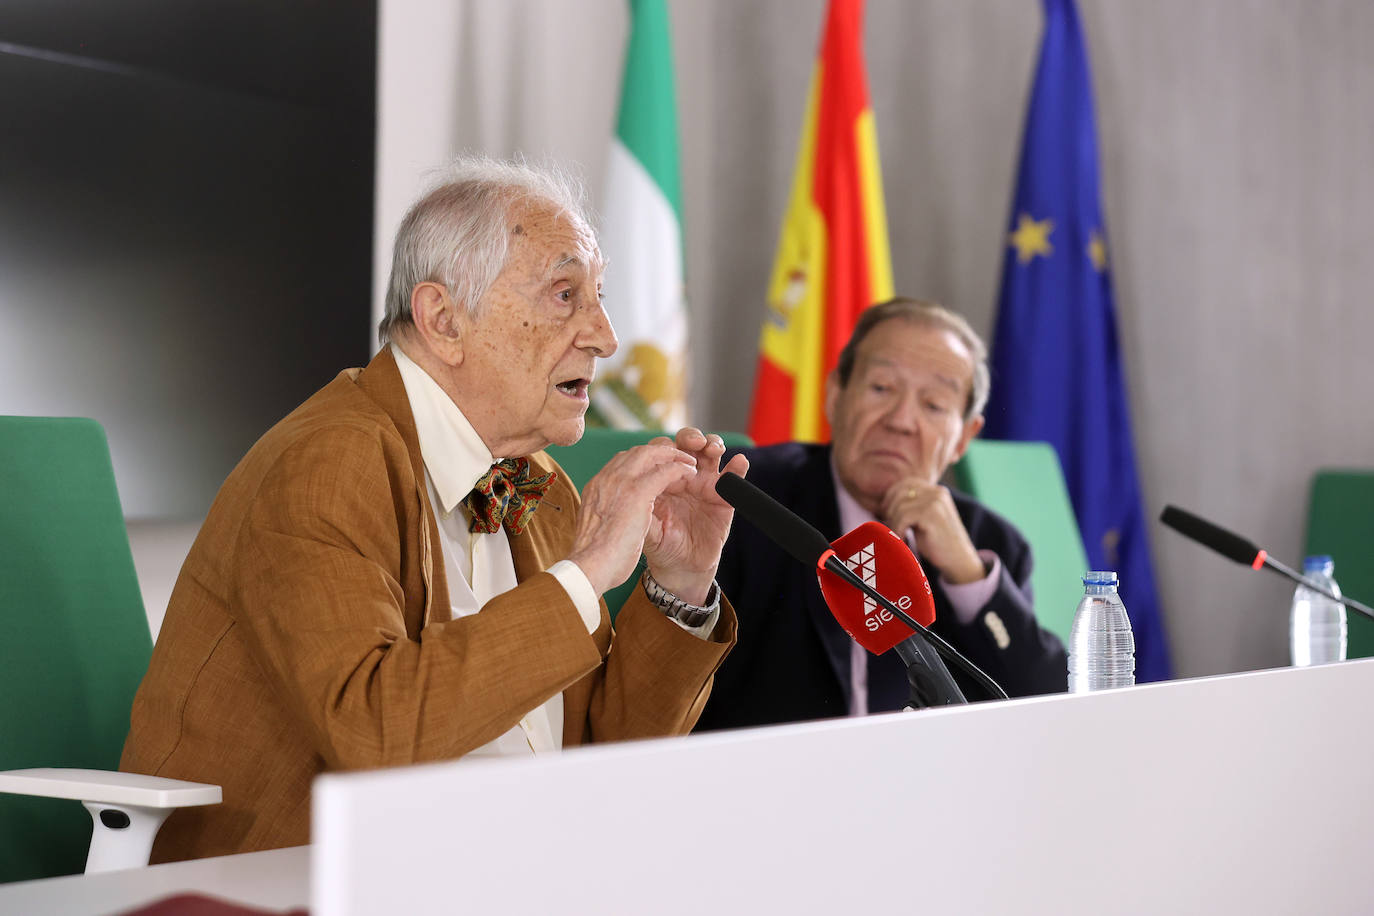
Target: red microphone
point(886, 564)
point(882, 560)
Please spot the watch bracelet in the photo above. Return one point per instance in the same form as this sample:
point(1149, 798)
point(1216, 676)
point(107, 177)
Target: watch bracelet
point(690, 615)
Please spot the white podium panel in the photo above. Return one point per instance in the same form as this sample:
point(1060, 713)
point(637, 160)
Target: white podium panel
point(1247, 793)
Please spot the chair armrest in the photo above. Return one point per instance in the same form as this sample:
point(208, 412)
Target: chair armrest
point(109, 787)
point(126, 808)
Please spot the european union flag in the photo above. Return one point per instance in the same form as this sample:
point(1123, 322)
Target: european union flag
point(1056, 365)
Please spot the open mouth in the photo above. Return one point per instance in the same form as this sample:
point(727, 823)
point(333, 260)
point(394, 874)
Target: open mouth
point(575, 388)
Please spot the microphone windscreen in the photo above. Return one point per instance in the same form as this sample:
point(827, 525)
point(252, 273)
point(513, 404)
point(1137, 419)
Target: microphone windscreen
point(883, 560)
point(1204, 532)
point(774, 519)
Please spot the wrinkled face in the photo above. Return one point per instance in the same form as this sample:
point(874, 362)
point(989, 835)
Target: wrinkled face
point(529, 354)
point(902, 413)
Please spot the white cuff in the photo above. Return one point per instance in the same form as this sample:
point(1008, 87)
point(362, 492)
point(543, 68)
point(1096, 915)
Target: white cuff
point(580, 590)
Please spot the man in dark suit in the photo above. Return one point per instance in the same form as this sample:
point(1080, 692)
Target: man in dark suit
point(903, 404)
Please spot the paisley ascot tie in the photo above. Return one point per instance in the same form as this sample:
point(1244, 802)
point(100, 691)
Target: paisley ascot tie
point(506, 494)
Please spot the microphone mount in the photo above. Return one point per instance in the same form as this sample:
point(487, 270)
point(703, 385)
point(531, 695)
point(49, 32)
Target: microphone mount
point(1245, 552)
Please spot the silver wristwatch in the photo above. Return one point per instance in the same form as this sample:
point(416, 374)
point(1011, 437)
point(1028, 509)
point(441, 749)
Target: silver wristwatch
point(689, 615)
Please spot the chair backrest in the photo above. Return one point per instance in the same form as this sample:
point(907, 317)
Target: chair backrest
point(589, 455)
point(1023, 481)
point(1340, 522)
point(76, 640)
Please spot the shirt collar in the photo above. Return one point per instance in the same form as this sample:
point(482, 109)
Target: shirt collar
point(455, 456)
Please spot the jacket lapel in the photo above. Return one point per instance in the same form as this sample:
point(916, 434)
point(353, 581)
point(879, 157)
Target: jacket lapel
point(381, 381)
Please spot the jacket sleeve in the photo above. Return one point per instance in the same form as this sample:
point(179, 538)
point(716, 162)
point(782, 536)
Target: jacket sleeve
point(657, 676)
point(1004, 639)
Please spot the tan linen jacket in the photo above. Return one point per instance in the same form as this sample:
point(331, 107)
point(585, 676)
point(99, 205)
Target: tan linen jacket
point(310, 630)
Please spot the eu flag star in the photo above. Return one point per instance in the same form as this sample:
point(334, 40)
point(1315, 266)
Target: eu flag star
point(1097, 251)
point(1031, 238)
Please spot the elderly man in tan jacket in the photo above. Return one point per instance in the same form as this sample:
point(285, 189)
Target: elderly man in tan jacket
point(396, 572)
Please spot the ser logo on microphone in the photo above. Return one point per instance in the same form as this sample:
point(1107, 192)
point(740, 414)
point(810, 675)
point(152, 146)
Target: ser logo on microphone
point(865, 564)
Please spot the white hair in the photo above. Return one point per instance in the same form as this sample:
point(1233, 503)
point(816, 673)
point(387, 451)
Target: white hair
point(457, 234)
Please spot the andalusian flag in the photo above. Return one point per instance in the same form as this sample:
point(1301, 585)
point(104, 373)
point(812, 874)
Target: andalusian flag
point(644, 385)
point(833, 259)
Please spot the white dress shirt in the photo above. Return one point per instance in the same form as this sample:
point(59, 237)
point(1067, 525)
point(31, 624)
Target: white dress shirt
point(479, 566)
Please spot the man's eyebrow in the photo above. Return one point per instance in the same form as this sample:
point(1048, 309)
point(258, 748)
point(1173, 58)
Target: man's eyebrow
point(578, 261)
point(882, 362)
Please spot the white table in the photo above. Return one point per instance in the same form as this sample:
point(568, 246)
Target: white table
point(1240, 794)
point(277, 879)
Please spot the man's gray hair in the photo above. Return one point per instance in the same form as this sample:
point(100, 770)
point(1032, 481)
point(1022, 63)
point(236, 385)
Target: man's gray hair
point(927, 314)
point(458, 233)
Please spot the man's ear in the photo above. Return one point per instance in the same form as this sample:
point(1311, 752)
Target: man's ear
point(971, 428)
point(832, 396)
point(438, 321)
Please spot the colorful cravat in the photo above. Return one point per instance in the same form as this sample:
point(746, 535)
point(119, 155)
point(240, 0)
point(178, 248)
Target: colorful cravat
point(506, 494)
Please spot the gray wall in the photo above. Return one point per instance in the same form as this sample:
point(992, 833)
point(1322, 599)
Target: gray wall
point(1236, 139)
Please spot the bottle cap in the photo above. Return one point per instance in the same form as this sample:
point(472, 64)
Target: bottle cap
point(1316, 563)
point(1101, 577)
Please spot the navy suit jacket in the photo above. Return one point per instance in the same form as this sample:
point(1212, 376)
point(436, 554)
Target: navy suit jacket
point(792, 660)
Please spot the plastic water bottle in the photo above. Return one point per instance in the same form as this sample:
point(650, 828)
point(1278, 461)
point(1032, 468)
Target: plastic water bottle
point(1316, 632)
point(1101, 645)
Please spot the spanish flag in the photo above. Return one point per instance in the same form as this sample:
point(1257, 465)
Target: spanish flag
point(833, 259)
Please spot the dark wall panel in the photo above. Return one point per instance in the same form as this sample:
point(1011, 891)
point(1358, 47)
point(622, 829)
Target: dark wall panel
point(185, 224)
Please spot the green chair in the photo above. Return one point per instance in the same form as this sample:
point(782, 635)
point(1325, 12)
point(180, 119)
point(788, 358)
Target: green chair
point(1023, 481)
point(76, 644)
point(1340, 523)
point(589, 455)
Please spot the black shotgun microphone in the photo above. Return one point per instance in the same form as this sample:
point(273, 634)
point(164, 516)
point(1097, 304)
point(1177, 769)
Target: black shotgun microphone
point(800, 539)
point(1245, 552)
point(1229, 545)
point(786, 528)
